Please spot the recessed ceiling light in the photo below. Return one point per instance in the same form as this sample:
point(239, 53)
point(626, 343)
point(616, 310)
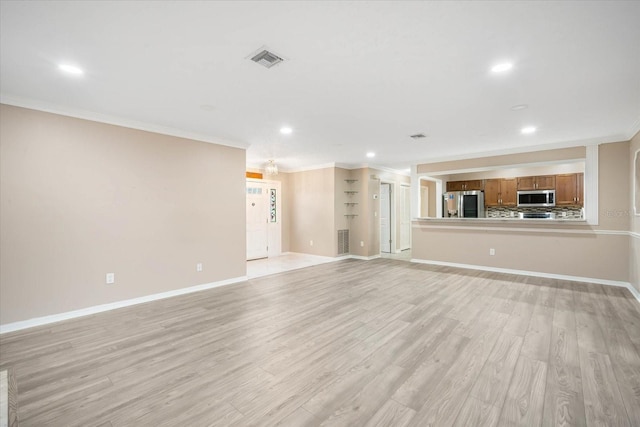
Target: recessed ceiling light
point(71, 69)
point(371, 154)
point(527, 130)
point(286, 130)
point(519, 107)
point(501, 68)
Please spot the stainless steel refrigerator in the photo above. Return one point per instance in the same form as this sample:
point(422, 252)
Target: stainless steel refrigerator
point(463, 204)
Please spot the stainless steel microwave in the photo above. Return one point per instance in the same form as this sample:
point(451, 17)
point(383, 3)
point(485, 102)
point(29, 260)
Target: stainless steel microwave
point(542, 198)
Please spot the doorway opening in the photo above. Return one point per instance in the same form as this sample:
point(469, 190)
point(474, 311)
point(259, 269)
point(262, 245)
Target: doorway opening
point(263, 216)
point(386, 217)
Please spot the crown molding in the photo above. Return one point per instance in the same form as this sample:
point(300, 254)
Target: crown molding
point(529, 149)
point(634, 129)
point(93, 116)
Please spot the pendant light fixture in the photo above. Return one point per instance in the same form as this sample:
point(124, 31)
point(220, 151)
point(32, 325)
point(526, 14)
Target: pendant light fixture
point(272, 168)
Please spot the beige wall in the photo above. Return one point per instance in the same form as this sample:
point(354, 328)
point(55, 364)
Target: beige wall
point(559, 155)
point(312, 212)
point(573, 167)
point(314, 209)
point(428, 205)
point(584, 253)
point(80, 199)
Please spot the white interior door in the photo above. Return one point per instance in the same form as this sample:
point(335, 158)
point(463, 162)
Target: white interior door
point(257, 222)
point(405, 218)
point(385, 218)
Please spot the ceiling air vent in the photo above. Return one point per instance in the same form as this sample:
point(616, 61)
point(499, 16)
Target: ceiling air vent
point(266, 58)
point(418, 136)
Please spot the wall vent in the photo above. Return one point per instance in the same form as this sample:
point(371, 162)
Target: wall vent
point(418, 136)
point(343, 242)
point(267, 59)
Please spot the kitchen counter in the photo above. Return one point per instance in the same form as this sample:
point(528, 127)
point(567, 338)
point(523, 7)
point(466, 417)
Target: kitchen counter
point(511, 221)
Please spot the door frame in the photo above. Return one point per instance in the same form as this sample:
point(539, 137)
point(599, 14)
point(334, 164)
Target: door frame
point(405, 187)
point(392, 216)
point(274, 229)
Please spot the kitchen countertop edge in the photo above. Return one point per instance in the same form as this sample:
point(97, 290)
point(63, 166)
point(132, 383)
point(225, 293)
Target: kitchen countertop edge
point(511, 221)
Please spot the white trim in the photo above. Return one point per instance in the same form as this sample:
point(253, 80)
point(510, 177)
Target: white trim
point(392, 214)
point(309, 168)
point(390, 170)
point(633, 130)
point(525, 230)
point(591, 191)
point(605, 282)
point(635, 176)
point(634, 234)
point(364, 258)
point(45, 320)
point(524, 149)
point(488, 168)
point(47, 107)
point(348, 166)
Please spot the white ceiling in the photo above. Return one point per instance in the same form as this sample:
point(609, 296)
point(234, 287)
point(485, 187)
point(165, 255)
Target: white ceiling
point(359, 76)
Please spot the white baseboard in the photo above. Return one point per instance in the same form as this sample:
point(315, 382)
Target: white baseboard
point(606, 282)
point(364, 258)
point(45, 320)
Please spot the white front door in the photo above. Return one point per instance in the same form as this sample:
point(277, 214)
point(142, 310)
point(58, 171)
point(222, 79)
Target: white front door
point(385, 218)
point(257, 222)
point(405, 218)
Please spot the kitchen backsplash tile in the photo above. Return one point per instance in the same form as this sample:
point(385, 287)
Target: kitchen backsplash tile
point(572, 212)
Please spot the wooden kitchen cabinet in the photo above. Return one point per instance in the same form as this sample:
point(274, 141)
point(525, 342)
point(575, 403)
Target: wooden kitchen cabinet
point(500, 192)
point(570, 189)
point(544, 182)
point(477, 184)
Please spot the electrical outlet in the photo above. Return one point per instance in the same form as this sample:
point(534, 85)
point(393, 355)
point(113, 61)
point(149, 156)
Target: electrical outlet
point(564, 214)
point(199, 266)
point(111, 278)
point(310, 242)
point(492, 251)
point(361, 244)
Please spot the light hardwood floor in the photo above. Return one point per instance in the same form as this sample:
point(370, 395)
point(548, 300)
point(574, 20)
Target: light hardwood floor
point(376, 343)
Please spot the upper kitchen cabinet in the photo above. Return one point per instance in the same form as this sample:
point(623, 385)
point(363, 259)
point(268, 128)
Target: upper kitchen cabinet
point(570, 189)
point(500, 192)
point(477, 184)
point(543, 182)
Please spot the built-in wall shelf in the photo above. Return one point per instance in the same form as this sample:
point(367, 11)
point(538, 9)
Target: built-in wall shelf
point(350, 196)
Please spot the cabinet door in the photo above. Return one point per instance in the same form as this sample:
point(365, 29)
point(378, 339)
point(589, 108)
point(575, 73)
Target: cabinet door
point(580, 188)
point(508, 192)
point(477, 184)
point(566, 189)
point(547, 182)
point(455, 185)
point(527, 183)
point(492, 192)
